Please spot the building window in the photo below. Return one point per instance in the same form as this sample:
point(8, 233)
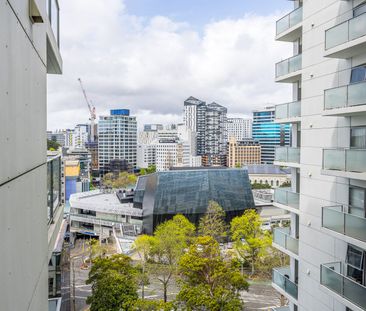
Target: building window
point(357, 201)
point(358, 137)
point(358, 74)
point(277, 183)
point(361, 9)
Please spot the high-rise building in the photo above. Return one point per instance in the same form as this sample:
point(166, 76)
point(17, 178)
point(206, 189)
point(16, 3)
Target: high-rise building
point(243, 152)
point(209, 124)
point(269, 134)
point(117, 138)
point(326, 241)
point(57, 136)
point(153, 127)
point(81, 136)
point(239, 128)
point(29, 49)
point(146, 155)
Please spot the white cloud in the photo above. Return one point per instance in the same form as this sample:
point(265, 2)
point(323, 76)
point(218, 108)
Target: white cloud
point(151, 66)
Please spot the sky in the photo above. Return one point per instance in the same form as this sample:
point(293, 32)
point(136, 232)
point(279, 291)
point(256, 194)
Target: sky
point(150, 55)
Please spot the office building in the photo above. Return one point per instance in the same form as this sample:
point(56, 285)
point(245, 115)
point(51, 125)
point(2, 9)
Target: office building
point(208, 122)
point(57, 136)
point(146, 155)
point(268, 133)
point(29, 48)
point(239, 128)
point(117, 138)
point(153, 127)
point(188, 192)
point(92, 148)
point(172, 153)
point(243, 152)
point(326, 240)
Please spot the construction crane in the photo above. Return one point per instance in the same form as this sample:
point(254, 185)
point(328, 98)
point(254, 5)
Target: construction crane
point(91, 111)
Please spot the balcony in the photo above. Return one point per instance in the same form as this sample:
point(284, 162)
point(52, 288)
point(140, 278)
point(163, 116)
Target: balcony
point(287, 156)
point(336, 219)
point(347, 39)
point(289, 27)
point(281, 282)
point(283, 241)
point(288, 113)
point(286, 199)
point(346, 100)
point(286, 308)
point(347, 163)
point(346, 290)
point(54, 304)
point(289, 70)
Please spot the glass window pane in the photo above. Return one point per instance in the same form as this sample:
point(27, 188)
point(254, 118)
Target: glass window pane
point(354, 257)
point(358, 74)
point(359, 10)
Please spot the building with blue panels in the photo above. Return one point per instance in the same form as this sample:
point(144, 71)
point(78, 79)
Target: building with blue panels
point(269, 134)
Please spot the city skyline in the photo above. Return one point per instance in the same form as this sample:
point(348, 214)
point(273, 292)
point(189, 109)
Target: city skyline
point(126, 67)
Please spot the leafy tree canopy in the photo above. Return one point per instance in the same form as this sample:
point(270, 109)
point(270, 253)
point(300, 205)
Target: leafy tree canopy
point(213, 222)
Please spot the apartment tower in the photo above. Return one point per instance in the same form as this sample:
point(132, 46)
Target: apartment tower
point(327, 238)
point(29, 50)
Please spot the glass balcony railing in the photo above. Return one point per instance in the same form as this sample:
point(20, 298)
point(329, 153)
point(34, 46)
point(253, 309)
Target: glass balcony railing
point(289, 65)
point(286, 308)
point(281, 277)
point(286, 197)
point(281, 237)
point(290, 20)
point(53, 185)
point(331, 276)
point(336, 219)
point(346, 160)
point(289, 110)
point(287, 154)
point(346, 31)
point(345, 96)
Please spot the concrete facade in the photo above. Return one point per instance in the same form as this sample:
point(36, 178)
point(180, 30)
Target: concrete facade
point(28, 51)
point(327, 155)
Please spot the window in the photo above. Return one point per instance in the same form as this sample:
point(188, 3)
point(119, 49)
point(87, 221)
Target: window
point(358, 74)
point(354, 257)
point(357, 201)
point(358, 137)
point(361, 9)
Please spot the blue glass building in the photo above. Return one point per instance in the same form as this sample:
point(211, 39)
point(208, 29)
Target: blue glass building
point(269, 134)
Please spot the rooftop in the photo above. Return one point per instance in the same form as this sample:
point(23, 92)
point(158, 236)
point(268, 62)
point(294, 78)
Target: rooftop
point(267, 169)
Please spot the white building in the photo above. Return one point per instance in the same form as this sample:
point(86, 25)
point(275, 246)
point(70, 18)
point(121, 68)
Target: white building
point(117, 138)
point(146, 155)
point(239, 128)
point(172, 153)
point(80, 136)
point(327, 238)
point(29, 50)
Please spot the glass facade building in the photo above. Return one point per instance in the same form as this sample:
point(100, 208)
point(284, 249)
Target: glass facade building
point(188, 192)
point(269, 134)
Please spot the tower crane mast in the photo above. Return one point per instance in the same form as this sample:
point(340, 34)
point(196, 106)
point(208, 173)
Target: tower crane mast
point(91, 111)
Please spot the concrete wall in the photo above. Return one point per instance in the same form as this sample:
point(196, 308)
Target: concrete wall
point(23, 189)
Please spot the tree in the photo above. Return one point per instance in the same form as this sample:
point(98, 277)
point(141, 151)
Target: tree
point(123, 180)
point(150, 170)
point(52, 145)
point(153, 305)
point(261, 186)
point(251, 242)
point(286, 184)
point(213, 222)
point(172, 238)
point(113, 282)
point(208, 282)
point(143, 246)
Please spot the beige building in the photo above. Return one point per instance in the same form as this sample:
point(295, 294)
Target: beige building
point(269, 174)
point(243, 152)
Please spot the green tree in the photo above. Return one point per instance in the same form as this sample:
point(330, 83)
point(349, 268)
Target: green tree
point(143, 246)
point(113, 282)
point(52, 145)
point(172, 238)
point(261, 186)
point(150, 170)
point(123, 180)
point(208, 282)
point(153, 305)
point(286, 184)
point(251, 242)
point(213, 222)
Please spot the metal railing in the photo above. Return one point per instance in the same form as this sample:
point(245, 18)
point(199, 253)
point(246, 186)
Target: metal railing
point(331, 276)
point(287, 197)
point(347, 31)
point(290, 20)
point(287, 154)
point(344, 159)
point(336, 218)
point(289, 65)
point(281, 277)
point(282, 237)
point(288, 110)
point(345, 96)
